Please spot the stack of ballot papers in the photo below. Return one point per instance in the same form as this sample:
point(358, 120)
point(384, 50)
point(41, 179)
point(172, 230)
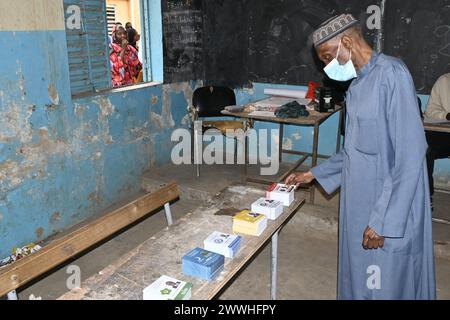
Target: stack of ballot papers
point(202, 264)
point(167, 288)
point(272, 209)
point(250, 223)
point(281, 192)
point(223, 243)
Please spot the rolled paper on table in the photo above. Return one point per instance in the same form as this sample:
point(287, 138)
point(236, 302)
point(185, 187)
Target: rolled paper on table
point(296, 94)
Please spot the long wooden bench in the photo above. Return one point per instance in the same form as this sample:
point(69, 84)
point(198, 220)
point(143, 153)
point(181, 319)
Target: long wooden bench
point(76, 242)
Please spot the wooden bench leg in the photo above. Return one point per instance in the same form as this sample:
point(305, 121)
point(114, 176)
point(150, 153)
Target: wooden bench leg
point(12, 295)
point(168, 214)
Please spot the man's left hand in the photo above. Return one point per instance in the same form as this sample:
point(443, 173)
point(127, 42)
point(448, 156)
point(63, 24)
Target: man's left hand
point(371, 240)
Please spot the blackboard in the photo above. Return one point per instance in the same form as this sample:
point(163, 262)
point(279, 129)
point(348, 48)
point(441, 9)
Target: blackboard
point(419, 33)
point(280, 46)
point(182, 40)
point(269, 40)
point(225, 41)
point(236, 42)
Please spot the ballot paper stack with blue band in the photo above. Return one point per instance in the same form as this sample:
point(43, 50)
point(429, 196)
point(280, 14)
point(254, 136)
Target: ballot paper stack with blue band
point(223, 243)
point(202, 264)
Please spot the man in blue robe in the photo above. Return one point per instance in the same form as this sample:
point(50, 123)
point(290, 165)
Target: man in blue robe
point(385, 238)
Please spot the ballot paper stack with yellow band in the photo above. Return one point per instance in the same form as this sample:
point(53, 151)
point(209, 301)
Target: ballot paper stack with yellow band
point(272, 209)
point(250, 223)
point(167, 288)
point(202, 264)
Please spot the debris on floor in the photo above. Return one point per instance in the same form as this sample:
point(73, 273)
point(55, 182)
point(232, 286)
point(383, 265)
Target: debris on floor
point(19, 253)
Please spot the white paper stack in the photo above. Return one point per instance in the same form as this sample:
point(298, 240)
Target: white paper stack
point(167, 288)
point(272, 209)
point(281, 192)
point(223, 243)
point(296, 94)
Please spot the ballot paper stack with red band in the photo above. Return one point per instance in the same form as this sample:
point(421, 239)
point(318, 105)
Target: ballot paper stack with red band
point(281, 192)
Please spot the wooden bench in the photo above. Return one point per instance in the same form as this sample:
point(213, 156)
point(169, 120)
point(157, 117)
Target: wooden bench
point(125, 278)
point(78, 241)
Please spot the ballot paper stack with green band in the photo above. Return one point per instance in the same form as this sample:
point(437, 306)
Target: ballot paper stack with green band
point(168, 288)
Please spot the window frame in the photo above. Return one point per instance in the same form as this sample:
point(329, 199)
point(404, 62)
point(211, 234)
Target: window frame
point(151, 25)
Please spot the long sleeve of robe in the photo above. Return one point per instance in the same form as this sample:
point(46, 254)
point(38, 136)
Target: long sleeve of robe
point(383, 178)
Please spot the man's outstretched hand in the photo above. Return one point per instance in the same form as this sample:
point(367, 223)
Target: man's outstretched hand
point(298, 178)
point(371, 240)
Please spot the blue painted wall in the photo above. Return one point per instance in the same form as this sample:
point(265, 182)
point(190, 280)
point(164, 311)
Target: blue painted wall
point(63, 160)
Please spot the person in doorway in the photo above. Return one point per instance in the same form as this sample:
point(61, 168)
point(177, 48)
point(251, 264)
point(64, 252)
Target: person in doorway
point(113, 31)
point(125, 64)
point(385, 238)
point(132, 34)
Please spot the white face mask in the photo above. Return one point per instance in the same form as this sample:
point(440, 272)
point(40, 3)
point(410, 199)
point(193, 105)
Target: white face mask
point(341, 72)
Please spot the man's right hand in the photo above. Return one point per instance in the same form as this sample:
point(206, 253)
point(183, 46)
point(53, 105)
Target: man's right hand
point(298, 178)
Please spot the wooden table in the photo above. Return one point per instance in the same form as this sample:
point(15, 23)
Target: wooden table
point(161, 254)
point(315, 119)
point(439, 127)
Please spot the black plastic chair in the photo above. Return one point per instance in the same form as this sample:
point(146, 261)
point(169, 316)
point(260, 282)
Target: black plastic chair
point(208, 102)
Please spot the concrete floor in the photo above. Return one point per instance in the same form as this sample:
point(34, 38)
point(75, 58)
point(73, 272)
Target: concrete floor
point(307, 244)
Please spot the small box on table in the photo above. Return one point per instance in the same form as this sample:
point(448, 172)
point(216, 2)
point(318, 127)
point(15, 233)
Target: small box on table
point(281, 192)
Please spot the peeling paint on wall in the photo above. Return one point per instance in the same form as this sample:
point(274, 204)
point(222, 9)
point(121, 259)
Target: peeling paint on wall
point(297, 136)
point(154, 100)
point(80, 109)
point(187, 89)
point(287, 144)
point(105, 106)
point(140, 132)
point(39, 232)
point(63, 160)
point(106, 110)
point(53, 94)
point(15, 122)
point(21, 84)
point(96, 156)
point(186, 120)
point(55, 217)
point(33, 161)
point(157, 119)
